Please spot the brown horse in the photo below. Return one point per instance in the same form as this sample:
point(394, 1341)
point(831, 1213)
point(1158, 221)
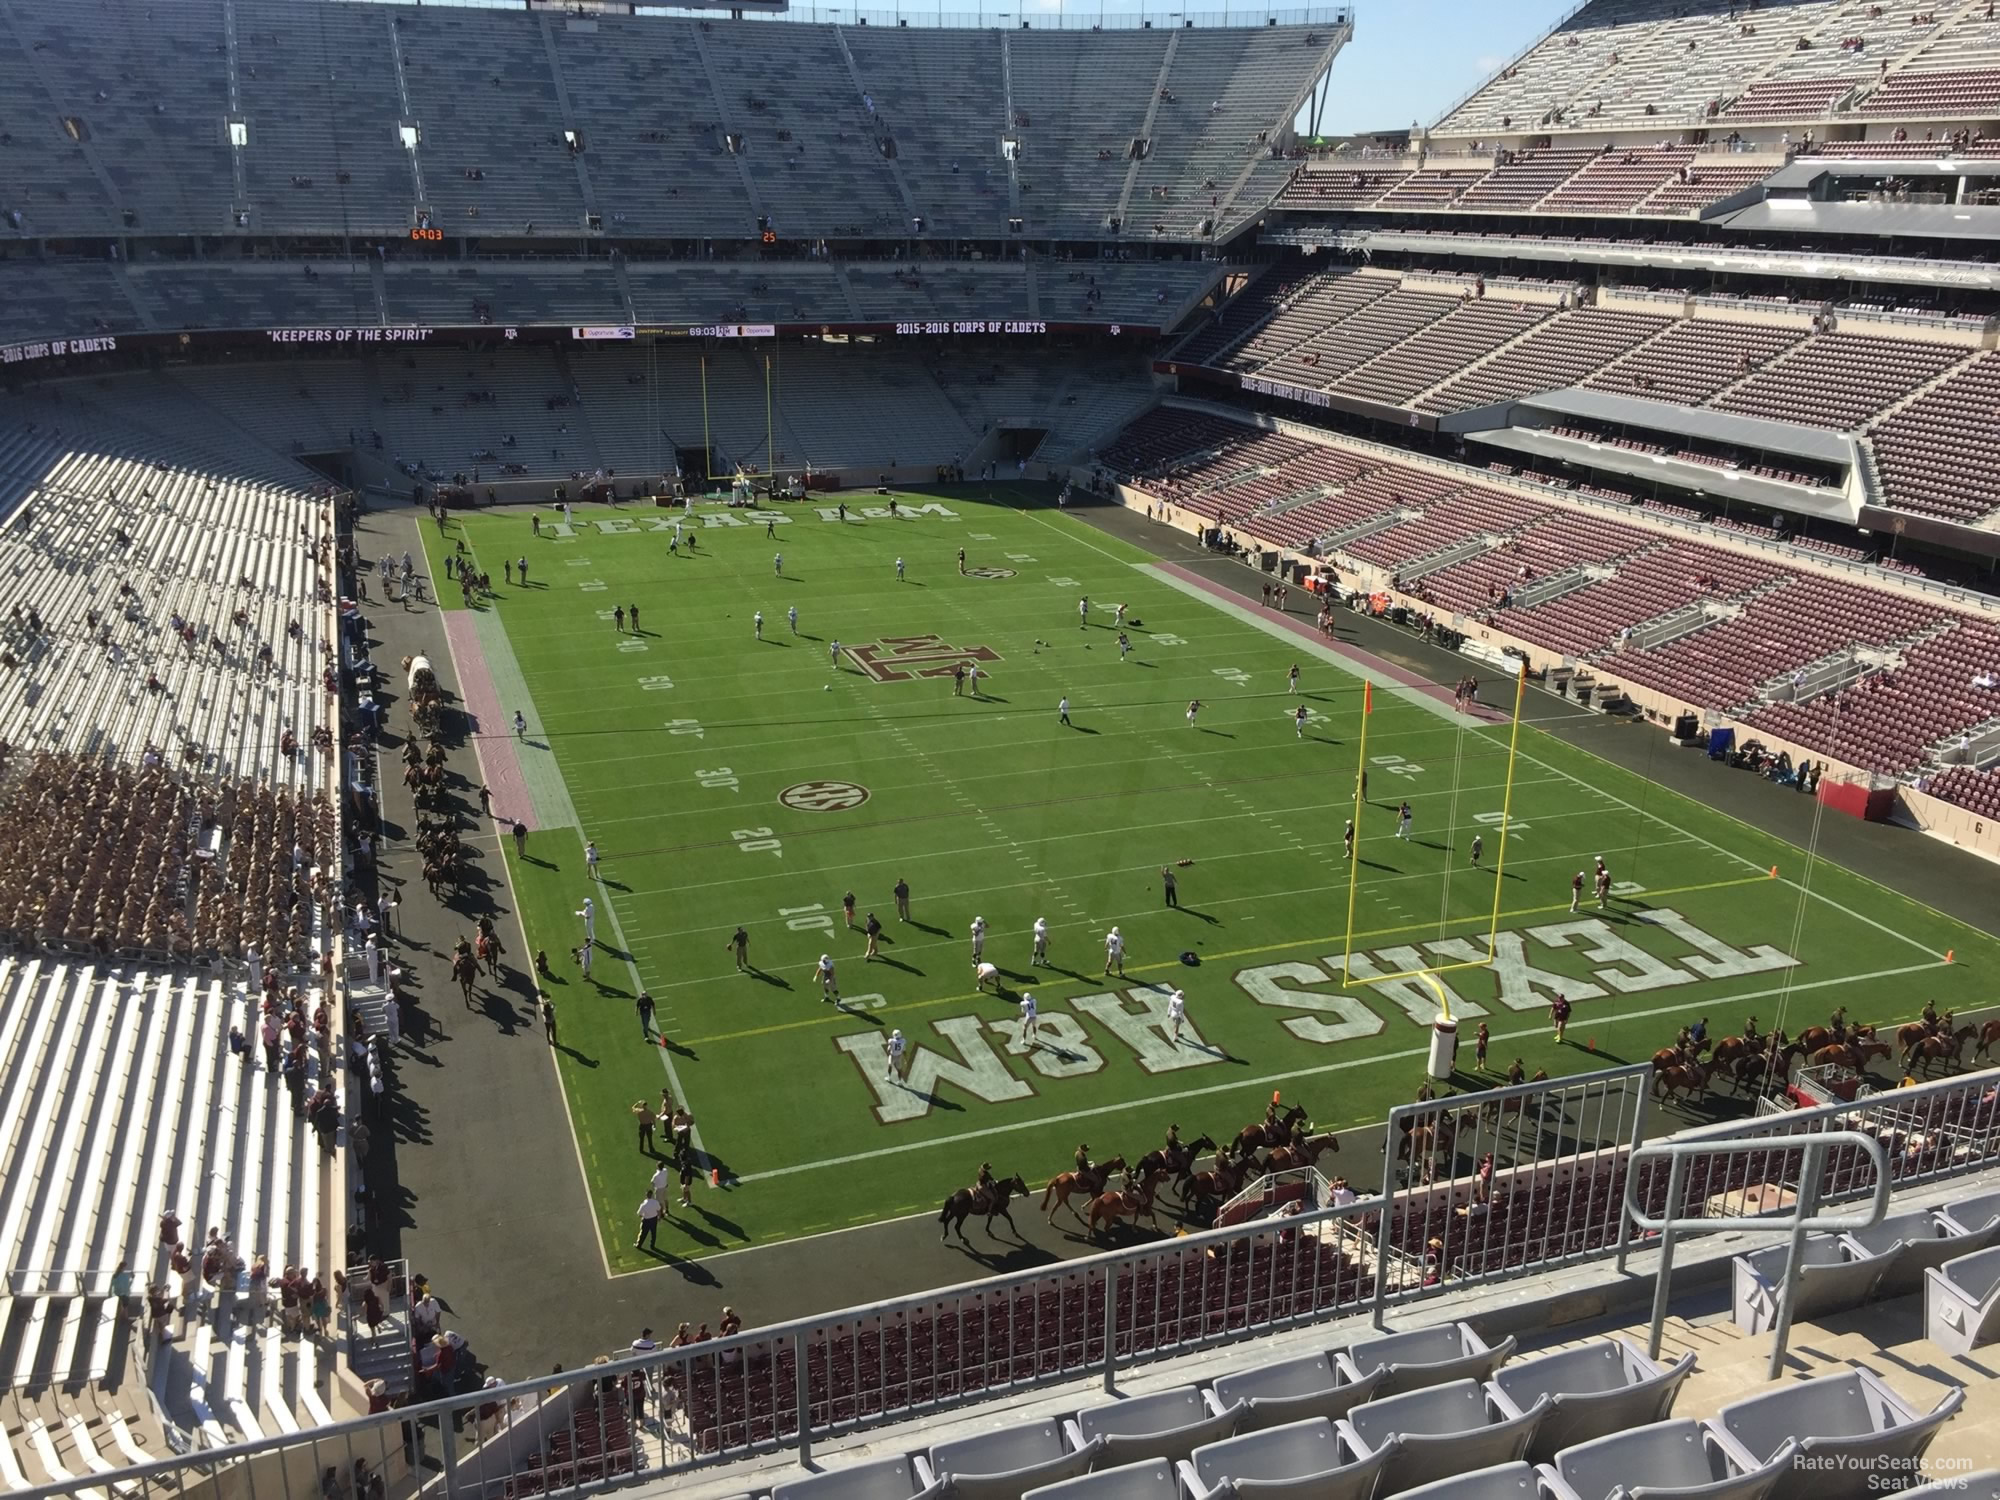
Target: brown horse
point(1259, 1136)
point(991, 1200)
point(1934, 1049)
point(1089, 1183)
point(1988, 1035)
point(1730, 1050)
point(465, 969)
point(1285, 1158)
point(1684, 1079)
point(1815, 1037)
point(1847, 1055)
point(1748, 1071)
point(488, 949)
point(1501, 1108)
point(1130, 1202)
point(1176, 1162)
point(1220, 1181)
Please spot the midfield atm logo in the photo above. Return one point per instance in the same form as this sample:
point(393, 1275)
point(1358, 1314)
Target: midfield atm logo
point(901, 658)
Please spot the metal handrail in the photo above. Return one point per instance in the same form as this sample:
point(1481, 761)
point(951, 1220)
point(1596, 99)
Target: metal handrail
point(1803, 1219)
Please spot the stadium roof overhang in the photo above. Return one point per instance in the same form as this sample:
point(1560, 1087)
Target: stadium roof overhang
point(1792, 439)
point(1523, 426)
point(1891, 270)
point(1937, 221)
point(1804, 172)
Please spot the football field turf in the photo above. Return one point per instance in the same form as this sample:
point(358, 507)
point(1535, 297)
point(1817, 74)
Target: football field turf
point(730, 781)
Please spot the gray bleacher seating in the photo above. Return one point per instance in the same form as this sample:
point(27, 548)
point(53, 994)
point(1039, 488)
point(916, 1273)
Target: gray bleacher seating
point(1969, 1214)
point(1149, 1479)
point(1594, 1390)
point(1167, 1424)
point(1680, 1458)
point(1962, 1302)
point(885, 1479)
point(1006, 1464)
point(1911, 1243)
point(1290, 1390)
point(1426, 1356)
point(1515, 1481)
point(1830, 1280)
point(1309, 1460)
point(1436, 1431)
point(1849, 1426)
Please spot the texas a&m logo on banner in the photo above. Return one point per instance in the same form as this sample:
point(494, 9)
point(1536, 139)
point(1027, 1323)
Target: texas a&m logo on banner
point(900, 658)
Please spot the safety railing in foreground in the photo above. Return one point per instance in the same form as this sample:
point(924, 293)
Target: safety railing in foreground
point(1500, 1181)
point(1813, 1154)
point(1932, 1131)
point(789, 1387)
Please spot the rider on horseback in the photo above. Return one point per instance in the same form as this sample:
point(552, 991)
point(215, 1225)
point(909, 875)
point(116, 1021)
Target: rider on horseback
point(1082, 1160)
point(1750, 1031)
point(985, 1178)
point(1173, 1140)
point(1837, 1024)
point(1930, 1016)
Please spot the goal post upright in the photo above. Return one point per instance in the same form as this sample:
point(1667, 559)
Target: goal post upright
point(1506, 808)
point(1347, 976)
point(1354, 844)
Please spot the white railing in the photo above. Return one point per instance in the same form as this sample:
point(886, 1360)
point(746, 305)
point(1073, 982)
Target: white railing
point(787, 1387)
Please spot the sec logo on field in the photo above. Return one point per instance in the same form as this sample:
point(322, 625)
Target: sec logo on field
point(823, 796)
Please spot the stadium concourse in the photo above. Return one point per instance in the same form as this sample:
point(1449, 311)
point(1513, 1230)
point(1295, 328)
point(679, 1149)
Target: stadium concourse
point(1663, 363)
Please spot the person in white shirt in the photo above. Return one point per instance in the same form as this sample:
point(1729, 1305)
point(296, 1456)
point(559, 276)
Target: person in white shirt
point(792, 618)
point(892, 1046)
point(985, 974)
point(757, 624)
point(1062, 711)
point(1342, 1193)
point(583, 956)
point(590, 858)
point(828, 989)
point(1028, 1014)
point(663, 1180)
point(649, 1222)
point(1083, 613)
point(899, 570)
point(978, 938)
point(588, 912)
point(1041, 953)
point(833, 655)
point(1114, 952)
point(1176, 1014)
point(778, 564)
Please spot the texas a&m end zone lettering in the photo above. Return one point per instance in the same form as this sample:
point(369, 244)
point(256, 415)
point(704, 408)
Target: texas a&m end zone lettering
point(902, 658)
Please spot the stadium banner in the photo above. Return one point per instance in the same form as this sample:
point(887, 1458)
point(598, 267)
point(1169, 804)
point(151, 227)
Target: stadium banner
point(39, 351)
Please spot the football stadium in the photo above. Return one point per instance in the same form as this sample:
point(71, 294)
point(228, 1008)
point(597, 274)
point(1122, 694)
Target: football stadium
point(845, 755)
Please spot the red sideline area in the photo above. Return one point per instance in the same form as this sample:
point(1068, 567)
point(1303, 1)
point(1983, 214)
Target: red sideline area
point(1401, 676)
point(499, 767)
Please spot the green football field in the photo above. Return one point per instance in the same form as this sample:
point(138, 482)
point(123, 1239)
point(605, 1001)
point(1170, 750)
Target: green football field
point(728, 781)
